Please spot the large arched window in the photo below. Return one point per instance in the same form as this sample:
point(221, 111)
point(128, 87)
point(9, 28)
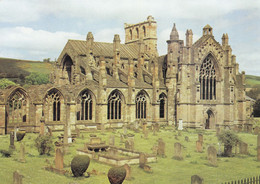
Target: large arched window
point(53, 101)
point(67, 66)
point(163, 101)
point(208, 79)
point(114, 106)
point(141, 106)
point(86, 106)
point(17, 107)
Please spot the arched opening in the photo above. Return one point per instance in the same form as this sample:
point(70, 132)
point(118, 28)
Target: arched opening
point(137, 33)
point(67, 67)
point(131, 34)
point(85, 106)
point(210, 120)
point(17, 109)
point(208, 79)
point(144, 31)
point(141, 105)
point(53, 103)
point(114, 106)
point(163, 104)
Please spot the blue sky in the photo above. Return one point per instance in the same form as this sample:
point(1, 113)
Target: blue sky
point(35, 29)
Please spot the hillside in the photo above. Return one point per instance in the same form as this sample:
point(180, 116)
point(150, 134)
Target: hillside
point(252, 80)
point(16, 69)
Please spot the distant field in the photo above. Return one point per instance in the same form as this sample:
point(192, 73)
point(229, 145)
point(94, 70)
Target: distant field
point(252, 80)
point(15, 69)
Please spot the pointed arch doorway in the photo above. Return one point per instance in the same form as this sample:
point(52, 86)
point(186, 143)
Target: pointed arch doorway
point(210, 120)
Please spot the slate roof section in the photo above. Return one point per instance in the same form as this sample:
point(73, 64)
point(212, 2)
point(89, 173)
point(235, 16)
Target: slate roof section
point(106, 49)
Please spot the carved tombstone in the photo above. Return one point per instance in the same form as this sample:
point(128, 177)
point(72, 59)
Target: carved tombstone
point(142, 160)
point(243, 148)
point(178, 151)
point(17, 178)
point(12, 146)
point(161, 148)
point(199, 146)
point(212, 156)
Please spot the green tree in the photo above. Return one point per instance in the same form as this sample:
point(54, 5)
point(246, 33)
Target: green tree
point(6, 82)
point(256, 108)
point(229, 139)
point(37, 78)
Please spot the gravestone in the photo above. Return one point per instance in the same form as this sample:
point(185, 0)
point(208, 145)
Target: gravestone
point(180, 127)
point(243, 148)
point(199, 146)
point(17, 178)
point(128, 171)
point(59, 158)
point(112, 140)
point(131, 142)
point(212, 156)
point(195, 179)
point(144, 125)
point(12, 146)
point(22, 153)
point(161, 148)
point(178, 151)
point(256, 130)
point(142, 160)
point(200, 138)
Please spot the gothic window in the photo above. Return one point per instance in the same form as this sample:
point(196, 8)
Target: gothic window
point(85, 103)
point(144, 31)
point(53, 105)
point(162, 111)
point(137, 33)
point(67, 66)
point(17, 107)
point(208, 79)
point(141, 106)
point(114, 106)
point(131, 34)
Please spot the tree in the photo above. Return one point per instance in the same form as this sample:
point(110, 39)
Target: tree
point(256, 108)
point(37, 78)
point(229, 139)
point(254, 92)
point(5, 83)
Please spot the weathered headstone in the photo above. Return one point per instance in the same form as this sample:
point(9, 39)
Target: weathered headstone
point(177, 151)
point(59, 158)
point(17, 178)
point(12, 146)
point(200, 137)
point(180, 127)
point(142, 160)
point(195, 179)
point(212, 156)
point(128, 171)
point(243, 148)
point(22, 153)
point(161, 148)
point(112, 140)
point(199, 146)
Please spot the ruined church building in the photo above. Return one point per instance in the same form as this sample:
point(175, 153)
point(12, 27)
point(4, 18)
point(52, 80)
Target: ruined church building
point(95, 84)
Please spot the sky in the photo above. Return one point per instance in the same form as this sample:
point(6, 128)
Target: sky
point(37, 29)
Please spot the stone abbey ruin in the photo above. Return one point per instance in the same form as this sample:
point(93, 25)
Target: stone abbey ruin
point(100, 85)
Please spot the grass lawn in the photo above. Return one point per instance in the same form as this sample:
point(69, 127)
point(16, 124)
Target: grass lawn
point(166, 170)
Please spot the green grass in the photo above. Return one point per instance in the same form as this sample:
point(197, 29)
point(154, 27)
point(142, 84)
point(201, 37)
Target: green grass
point(166, 170)
point(252, 80)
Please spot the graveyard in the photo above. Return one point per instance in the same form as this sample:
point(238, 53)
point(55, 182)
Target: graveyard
point(175, 156)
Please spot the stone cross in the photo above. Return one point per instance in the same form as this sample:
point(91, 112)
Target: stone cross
point(22, 153)
point(195, 179)
point(17, 178)
point(59, 158)
point(12, 146)
point(178, 151)
point(212, 156)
